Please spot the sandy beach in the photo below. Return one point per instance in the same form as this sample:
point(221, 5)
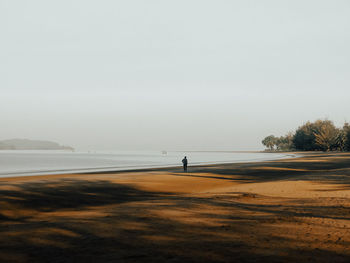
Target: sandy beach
point(292, 210)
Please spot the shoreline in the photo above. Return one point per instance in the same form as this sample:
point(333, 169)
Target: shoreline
point(144, 167)
point(288, 210)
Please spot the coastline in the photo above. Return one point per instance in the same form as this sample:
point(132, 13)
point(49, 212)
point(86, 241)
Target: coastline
point(287, 210)
point(144, 167)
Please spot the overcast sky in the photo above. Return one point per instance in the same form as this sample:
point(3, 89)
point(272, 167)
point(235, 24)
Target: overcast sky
point(201, 75)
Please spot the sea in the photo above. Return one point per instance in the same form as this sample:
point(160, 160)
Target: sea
point(28, 162)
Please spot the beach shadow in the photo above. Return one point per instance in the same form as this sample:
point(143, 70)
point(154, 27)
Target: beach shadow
point(70, 193)
point(100, 221)
point(321, 167)
point(76, 220)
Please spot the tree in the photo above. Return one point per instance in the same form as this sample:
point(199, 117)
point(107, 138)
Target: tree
point(325, 135)
point(269, 142)
point(304, 138)
point(341, 140)
point(346, 134)
point(285, 143)
point(321, 135)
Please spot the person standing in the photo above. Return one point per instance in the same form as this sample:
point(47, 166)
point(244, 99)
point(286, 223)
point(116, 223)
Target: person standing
point(184, 162)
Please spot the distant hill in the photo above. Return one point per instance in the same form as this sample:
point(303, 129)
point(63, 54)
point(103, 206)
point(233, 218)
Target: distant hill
point(25, 144)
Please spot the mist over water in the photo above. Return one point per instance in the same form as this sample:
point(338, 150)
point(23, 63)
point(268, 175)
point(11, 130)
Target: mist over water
point(14, 163)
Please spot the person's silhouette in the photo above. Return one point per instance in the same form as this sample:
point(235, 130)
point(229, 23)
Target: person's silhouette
point(184, 162)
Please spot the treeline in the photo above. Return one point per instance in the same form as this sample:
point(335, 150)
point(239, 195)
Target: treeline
point(321, 135)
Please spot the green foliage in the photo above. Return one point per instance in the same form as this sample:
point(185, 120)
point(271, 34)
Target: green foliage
point(325, 135)
point(269, 142)
point(304, 138)
point(346, 134)
point(321, 135)
point(285, 143)
point(341, 140)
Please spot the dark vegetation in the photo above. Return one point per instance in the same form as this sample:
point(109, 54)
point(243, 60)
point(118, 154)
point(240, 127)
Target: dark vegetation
point(321, 135)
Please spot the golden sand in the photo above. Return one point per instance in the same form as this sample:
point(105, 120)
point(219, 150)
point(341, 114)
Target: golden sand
point(293, 210)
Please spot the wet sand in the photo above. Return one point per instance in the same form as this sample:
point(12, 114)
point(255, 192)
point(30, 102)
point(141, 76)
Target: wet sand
point(292, 210)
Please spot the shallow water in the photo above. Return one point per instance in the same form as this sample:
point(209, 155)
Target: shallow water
point(15, 163)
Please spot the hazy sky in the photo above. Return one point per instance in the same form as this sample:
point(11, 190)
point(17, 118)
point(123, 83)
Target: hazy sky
point(203, 75)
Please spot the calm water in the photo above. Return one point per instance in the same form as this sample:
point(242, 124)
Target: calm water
point(14, 163)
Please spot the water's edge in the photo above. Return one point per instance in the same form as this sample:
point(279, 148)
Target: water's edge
point(110, 169)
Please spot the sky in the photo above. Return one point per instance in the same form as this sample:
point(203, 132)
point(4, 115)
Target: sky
point(171, 75)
